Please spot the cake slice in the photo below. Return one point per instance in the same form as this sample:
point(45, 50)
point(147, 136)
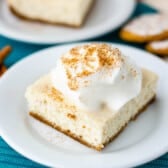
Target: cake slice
point(94, 129)
point(66, 12)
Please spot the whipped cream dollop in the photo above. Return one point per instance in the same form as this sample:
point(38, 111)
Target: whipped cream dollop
point(97, 75)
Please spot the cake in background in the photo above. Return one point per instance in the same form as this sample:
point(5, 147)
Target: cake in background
point(65, 12)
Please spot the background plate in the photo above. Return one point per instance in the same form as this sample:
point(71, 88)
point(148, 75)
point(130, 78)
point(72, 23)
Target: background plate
point(106, 16)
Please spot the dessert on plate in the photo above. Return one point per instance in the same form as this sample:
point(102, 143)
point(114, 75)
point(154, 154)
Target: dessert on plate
point(70, 13)
point(92, 94)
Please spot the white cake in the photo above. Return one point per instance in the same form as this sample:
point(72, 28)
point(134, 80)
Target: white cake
point(84, 120)
point(66, 12)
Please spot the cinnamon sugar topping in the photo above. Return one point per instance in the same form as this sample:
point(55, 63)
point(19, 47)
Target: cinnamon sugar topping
point(71, 116)
point(57, 95)
point(83, 61)
point(96, 76)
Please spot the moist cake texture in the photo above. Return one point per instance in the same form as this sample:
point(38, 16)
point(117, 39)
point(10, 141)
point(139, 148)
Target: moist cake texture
point(94, 129)
point(97, 128)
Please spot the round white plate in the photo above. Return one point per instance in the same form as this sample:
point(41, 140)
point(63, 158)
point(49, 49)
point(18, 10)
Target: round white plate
point(106, 16)
point(143, 140)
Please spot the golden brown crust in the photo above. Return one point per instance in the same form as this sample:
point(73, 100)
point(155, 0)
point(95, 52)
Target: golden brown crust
point(66, 132)
point(161, 51)
point(132, 37)
point(79, 138)
point(23, 17)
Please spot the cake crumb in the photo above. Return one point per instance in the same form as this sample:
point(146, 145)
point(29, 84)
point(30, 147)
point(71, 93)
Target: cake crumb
point(71, 116)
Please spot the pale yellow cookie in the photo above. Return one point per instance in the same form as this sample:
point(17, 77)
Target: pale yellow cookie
point(158, 47)
point(145, 28)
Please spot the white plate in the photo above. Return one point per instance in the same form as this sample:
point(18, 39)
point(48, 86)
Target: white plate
point(143, 140)
point(106, 16)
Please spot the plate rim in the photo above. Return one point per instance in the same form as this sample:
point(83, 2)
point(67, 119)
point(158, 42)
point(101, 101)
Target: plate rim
point(26, 38)
point(21, 151)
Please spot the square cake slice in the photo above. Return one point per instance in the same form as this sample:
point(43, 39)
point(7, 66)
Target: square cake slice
point(92, 129)
point(65, 12)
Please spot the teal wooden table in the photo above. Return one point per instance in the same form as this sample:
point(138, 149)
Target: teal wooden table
point(10, 158)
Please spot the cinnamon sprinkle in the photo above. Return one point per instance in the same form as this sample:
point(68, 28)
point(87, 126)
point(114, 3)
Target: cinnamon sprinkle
point(71, 116)
point(55, 94)
point(79, 64)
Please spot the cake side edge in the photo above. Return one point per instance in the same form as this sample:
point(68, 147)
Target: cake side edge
point(79, 138)
point(133, 118)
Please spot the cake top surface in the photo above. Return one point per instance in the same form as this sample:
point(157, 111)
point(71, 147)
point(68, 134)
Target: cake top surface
point(42, 89)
